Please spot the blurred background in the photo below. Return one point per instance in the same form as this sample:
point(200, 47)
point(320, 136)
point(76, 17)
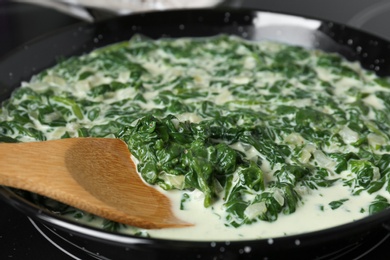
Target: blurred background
point(30, 18)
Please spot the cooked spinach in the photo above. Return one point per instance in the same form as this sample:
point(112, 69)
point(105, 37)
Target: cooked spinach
point(243, 122)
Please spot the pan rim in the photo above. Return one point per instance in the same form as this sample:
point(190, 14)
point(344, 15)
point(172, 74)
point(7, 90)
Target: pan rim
point(44, 215)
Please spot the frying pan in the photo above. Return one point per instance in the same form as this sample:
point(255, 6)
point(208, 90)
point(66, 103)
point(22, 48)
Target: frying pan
point(372, 52)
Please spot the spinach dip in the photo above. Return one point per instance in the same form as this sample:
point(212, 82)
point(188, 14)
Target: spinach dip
point(248, 139)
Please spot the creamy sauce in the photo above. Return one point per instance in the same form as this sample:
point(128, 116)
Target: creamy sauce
point(314, 214)
point(241, 86)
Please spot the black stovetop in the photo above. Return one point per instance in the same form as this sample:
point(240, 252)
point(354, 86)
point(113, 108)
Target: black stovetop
point(19, 23)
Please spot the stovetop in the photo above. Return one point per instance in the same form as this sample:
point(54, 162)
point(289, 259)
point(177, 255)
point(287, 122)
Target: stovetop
point(19, 23)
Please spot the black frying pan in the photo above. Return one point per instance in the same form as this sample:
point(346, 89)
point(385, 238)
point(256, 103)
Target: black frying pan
point(20, 65)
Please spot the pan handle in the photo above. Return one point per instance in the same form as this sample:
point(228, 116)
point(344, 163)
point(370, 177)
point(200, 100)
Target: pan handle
point(362, 17)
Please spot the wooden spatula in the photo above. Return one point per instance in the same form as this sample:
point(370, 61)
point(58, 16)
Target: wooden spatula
point(93, 174)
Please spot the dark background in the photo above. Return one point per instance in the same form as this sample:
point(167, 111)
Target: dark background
point(20, 23)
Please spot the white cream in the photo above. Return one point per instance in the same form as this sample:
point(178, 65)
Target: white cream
point(314, 214)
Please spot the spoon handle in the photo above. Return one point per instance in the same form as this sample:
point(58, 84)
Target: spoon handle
point(33, 166)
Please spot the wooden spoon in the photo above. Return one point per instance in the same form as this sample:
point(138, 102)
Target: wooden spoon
point(93, 174)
